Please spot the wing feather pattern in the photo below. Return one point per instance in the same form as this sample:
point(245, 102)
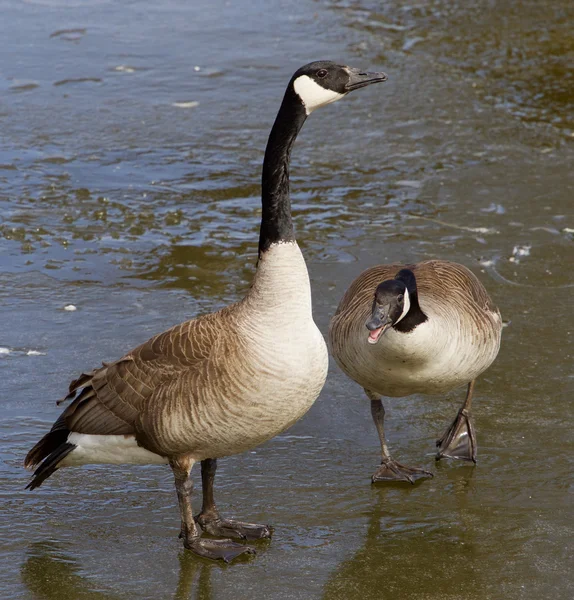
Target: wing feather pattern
point(111, 399)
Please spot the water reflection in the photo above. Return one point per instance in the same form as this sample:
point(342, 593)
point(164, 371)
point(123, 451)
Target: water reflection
point(405, 558)
point(194, 579)
point(50, 573)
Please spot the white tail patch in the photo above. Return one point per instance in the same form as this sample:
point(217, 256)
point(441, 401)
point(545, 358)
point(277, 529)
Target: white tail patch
point(108, 449)
point(312, 94)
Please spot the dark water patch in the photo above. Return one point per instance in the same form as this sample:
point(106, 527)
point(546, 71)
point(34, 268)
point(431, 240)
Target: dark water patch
point(69, 35)
point(23, 86)
point(74, 80)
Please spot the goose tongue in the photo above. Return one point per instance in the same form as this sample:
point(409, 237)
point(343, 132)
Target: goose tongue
point(375, 334)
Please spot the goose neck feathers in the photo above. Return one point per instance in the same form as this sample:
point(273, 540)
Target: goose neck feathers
point(312, 86)
point(276, 222)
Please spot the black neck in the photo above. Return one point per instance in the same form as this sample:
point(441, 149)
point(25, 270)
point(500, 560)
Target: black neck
point(276, 223)
point(415, 316)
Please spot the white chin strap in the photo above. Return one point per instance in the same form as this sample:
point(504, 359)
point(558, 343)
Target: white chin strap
point(312, 94)
point(406, 306)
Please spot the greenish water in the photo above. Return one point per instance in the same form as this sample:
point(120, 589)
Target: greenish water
point(119, 194)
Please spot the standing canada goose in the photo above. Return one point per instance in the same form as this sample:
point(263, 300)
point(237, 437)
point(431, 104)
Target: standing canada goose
point(425, 328)
point(222, 383)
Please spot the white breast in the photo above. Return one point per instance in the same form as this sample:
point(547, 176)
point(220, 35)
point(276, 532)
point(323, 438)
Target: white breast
point(437, 356)
point(286, 342)
point(285, 360)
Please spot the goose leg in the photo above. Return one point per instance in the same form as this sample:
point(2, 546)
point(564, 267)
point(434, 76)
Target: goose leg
point(390, 469)
point(459, 440)
point(225, 550)
point(209, 518)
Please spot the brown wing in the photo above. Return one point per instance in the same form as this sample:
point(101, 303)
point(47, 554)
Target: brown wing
point(450, 281)
point(110, 399)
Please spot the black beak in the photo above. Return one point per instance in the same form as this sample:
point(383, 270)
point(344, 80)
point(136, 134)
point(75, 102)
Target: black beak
point(377, 324)
point(359, 79)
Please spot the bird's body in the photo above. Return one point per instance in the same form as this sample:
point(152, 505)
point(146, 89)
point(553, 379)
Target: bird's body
point(210, 387)
point(222, 383)
point(449, 334)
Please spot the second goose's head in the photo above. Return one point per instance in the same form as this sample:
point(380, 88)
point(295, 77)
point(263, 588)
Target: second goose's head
point(322, 82)
point(390, 306)
point(396, 305)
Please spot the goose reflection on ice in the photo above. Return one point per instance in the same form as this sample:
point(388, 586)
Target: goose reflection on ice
point(407, 554)
point(50, 573)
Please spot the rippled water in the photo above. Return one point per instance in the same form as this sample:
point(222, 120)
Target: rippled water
point(130, 155)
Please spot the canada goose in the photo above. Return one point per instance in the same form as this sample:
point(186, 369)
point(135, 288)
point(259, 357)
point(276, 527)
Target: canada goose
point(224, 382)
point(425, 328)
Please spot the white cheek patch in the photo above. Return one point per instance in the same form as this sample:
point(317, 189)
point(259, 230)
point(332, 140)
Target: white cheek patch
point(312, 94)
point(406, 306)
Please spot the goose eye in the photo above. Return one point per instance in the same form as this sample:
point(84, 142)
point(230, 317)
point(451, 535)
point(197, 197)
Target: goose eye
point(322, 73)
point(400, 297)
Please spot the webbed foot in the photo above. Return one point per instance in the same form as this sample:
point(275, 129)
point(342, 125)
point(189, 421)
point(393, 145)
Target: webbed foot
point(225, 550)
point(391, 470)
point(459, 441)
point(216, 526)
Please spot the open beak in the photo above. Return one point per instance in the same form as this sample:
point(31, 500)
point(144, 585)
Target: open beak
point(359, 79)
point(377, 325)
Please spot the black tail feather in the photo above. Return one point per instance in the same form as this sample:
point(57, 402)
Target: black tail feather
point(49, 464)
point(47, 445)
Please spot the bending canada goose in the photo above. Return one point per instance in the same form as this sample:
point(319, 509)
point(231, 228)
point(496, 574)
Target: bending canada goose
point(224, 382)
point(431, 328)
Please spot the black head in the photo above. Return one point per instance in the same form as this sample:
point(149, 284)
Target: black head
point(322, 82)
point(409, 279)
point(391, 304)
